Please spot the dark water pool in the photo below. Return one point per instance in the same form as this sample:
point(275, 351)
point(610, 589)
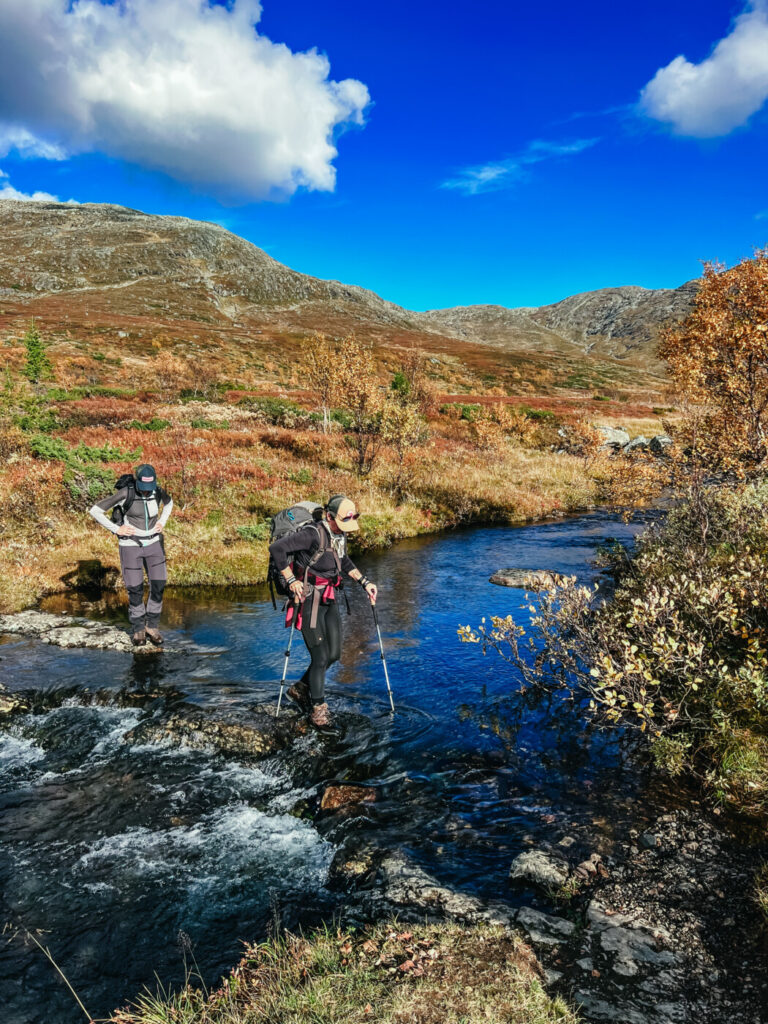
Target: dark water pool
point(108, 851)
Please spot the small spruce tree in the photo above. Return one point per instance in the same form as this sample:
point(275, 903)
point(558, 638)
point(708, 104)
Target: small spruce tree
point(38, 366)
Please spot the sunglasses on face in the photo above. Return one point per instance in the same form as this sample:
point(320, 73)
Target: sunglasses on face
point(352, 515)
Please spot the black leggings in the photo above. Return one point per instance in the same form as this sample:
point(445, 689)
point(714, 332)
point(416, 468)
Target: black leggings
point(324, 645)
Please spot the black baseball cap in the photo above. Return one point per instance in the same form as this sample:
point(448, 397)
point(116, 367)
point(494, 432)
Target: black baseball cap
point(146, 478)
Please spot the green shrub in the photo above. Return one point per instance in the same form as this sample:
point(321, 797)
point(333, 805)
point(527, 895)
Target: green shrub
point(301, 476)
point(401, 385)
point(342, 417)
point(51, 448)
point(214, 518)
point(280, 412)
point(254, 531)
point(89, 391)
point(680, 652)
point(539, 415)
point(104, 453)
point(154, 424)
point(89, 483)
point(200, 423)
point(468, 412)
point(38, 420)
point(84, 477)
point(37, 366)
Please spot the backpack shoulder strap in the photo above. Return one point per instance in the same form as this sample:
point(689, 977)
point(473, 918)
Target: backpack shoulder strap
point(130, 496)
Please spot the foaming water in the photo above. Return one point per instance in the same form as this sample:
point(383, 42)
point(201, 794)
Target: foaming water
point(113, 848)
point(17, 752)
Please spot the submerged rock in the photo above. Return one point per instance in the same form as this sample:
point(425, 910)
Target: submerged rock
point(68, 631)
point(343, 796)
point(525, 579)
point(254, 733)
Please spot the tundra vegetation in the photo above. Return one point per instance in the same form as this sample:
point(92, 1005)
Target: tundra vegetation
point(434, 974)
point(680, 651)
point(379, 423)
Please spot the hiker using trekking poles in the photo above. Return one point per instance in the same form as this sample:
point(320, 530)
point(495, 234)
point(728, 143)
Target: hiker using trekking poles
point(139, 523)
point(307, 560)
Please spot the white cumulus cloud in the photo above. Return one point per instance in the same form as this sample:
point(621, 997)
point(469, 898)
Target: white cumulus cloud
point(503, 174)
point(7, 191)
point(182, 86)
point(723, 91)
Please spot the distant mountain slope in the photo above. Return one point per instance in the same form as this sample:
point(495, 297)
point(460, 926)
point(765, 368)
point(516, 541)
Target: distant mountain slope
point(616, 322)
point(110, 261)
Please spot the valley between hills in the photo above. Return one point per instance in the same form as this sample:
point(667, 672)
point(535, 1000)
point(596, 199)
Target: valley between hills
point(177, 343)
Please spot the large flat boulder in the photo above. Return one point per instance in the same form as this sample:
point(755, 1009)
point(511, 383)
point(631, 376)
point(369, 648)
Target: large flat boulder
point(253, 733)
point(69, 631)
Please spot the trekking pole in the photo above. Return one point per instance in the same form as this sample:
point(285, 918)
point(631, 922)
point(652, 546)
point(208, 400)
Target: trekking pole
point(383, 659)
point(287, 656)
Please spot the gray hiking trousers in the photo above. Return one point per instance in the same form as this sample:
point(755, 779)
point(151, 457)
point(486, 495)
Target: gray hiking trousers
point(133, 561)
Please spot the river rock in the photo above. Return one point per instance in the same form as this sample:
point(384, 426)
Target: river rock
point(525, 579)
point(544, 929)
point(253, 734)
point(535, 867)
point(11, 703)
point(352, 864)
point(409, 891)
point(335, 797)
point(68, 631)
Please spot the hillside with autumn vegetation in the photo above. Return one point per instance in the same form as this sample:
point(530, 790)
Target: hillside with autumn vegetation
point(129, 338)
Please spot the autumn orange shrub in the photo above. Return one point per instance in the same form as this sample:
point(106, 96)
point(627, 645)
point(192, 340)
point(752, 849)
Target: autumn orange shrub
point(718, 359)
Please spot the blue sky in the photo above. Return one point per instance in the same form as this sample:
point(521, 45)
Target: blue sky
point(486, 153)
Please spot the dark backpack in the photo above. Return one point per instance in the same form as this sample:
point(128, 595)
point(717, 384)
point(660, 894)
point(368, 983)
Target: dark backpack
point(128, 481)
point(291, 520)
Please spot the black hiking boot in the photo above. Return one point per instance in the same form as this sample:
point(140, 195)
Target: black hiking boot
point(299, 694)
point(155, 637)
point(139, 638)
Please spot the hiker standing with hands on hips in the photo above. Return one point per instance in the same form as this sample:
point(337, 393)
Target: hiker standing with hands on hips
point(138, 522)
point(311, 561)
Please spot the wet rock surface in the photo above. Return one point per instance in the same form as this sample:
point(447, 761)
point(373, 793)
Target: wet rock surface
point(68, 631)
point(254, 733)
point(336, 797)
point(528, 579)
point(666, 933)
point(11, 703)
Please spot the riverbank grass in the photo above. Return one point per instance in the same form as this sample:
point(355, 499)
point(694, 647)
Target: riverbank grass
point(430, 974)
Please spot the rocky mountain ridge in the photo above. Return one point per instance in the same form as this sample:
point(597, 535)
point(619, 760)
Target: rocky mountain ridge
point(130, 263)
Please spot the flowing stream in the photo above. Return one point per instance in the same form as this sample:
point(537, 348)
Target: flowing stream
point(126, 859)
